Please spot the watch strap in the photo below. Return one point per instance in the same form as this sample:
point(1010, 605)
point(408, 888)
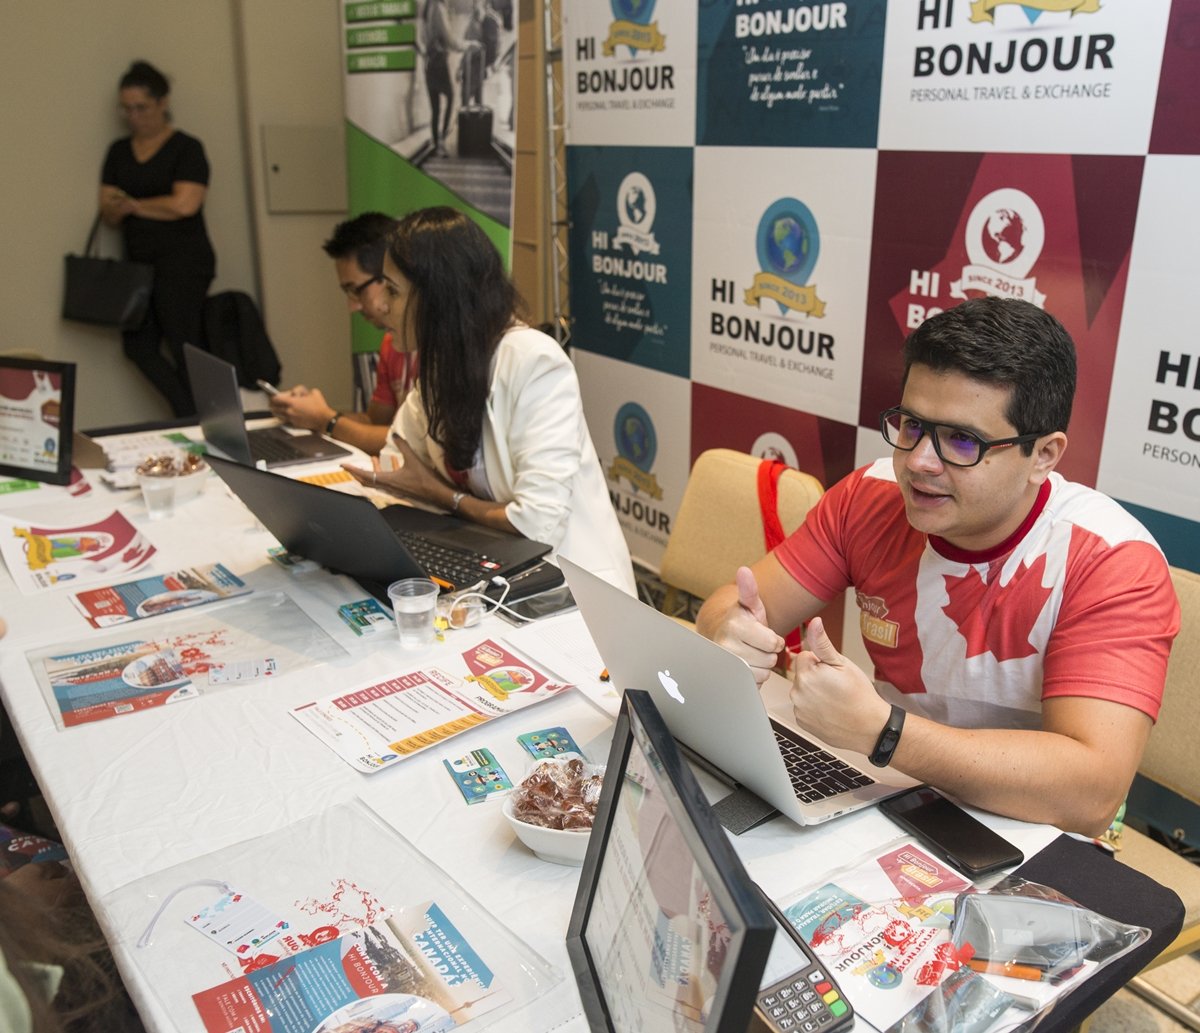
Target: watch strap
point(888, 739)
point(332, 422)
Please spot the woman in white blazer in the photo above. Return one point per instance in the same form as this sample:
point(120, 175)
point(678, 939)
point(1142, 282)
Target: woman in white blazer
point(494, 431)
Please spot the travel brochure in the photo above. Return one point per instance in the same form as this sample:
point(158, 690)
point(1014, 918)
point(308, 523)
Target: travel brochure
point(411, 973)
point(374, 725)
point(151, 596)
point(249, 638)
point(335, 923)
point(45, 556)
point(106, 681)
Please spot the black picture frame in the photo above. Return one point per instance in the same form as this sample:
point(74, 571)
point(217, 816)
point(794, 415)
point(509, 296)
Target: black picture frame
point(750, 925)
point(64, 375)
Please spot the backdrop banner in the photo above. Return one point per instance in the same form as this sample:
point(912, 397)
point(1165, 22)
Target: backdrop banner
point(430, 111)
point(767, 196)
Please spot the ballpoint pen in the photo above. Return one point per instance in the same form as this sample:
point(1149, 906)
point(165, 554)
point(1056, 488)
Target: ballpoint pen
point(1006, 968)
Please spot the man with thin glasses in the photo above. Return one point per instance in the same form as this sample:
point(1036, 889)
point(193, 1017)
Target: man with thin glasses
point(1019, 624)
point(357, 248)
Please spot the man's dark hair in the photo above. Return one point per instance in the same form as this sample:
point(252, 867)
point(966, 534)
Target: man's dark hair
point(1007, 343)
point(143, 75)
point(363, 238)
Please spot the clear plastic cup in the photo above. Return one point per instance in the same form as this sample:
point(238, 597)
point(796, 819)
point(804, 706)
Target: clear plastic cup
point(414, 602)
point(159, 495)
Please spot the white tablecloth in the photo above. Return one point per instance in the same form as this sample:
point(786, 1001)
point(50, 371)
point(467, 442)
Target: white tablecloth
point(138, 794)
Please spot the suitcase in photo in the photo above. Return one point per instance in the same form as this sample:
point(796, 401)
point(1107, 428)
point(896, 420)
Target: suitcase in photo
point(475, 132)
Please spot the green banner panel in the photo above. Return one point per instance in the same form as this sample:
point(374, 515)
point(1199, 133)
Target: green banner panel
point(382, 181)
point(376, 9)
point(381, 35)
point(382, 61)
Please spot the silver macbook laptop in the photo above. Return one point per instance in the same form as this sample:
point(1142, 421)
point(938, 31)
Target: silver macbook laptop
point(711, 704)
point(223, 424)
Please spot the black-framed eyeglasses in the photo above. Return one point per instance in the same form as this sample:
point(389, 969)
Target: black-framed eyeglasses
point(354, 290)
point(955, 446)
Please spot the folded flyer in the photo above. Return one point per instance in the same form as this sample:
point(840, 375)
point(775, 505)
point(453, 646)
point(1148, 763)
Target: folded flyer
point(151, 596)
point(335, 922)
point(41, 556)
point(373, 725)
point(413, 972)
point(237, 641)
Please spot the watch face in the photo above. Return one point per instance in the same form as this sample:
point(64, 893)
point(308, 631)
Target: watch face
point(888, 738)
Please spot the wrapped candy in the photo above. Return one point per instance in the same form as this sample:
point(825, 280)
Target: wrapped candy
point(558, 794)
point(167, 465)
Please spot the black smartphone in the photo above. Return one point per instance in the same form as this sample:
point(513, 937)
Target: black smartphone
point(544, 604)
point(950, 832)
point(796, 992)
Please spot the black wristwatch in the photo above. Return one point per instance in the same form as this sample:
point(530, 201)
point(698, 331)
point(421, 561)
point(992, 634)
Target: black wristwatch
point(332, 423)
point(885, 745)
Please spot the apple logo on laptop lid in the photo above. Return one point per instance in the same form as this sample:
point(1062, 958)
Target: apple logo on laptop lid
point(670, 685)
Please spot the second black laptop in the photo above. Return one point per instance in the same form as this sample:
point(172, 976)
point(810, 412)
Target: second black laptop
point(348, 534)
point(219, 407)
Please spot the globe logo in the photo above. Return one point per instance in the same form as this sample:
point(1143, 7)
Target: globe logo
point(633, 432)
point(788, 240)
point(1003, 236)
point(635, 205)
point(636, 11)
point(786, 245)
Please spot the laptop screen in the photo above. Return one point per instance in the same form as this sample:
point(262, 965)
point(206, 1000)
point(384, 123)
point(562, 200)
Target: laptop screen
point(37, 415)
point(667, 932)
point(219, 405)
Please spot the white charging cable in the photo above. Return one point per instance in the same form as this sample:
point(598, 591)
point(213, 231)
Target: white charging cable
point(454, 602)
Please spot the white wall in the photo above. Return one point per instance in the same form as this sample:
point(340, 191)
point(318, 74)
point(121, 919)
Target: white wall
point(293, 78)
point(59, 66)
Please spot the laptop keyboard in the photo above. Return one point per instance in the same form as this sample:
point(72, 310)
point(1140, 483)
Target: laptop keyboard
point(816, 774)
point(454, 566)
point(273, 448)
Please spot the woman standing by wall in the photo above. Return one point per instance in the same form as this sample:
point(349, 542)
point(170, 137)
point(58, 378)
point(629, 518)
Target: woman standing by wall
point(153, 186)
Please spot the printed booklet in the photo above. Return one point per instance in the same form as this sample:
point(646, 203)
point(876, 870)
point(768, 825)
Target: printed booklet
point(371, 726)
point(151, 596)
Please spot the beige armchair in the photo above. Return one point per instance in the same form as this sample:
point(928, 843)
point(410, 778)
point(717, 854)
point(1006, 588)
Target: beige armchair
point(719, 524)
point(1170, 760)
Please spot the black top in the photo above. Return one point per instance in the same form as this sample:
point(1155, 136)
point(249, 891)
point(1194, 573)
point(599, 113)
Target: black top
point(181, 241)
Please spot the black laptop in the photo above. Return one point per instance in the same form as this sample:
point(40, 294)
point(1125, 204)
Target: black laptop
point(223, 424)
point(348, 534)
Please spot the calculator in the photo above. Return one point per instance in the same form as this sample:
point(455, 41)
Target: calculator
point(797, 994)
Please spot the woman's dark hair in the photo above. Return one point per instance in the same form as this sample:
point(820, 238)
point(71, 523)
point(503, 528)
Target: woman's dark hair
point(462, 302)
point(90, 997)
point(145, 75)
point(1007, 343)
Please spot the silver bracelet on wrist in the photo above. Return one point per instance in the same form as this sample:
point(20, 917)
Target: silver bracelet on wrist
point(458, 497)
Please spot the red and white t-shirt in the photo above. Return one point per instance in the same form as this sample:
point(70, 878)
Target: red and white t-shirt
point(1078, 602)
point(395, 375)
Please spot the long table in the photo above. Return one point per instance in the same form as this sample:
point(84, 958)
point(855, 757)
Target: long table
point(136, 795)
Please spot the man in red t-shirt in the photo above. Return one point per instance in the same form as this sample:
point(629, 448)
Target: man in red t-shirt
point(1019, 624)
point(357, 247)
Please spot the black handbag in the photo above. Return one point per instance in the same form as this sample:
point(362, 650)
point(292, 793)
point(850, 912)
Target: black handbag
point(108, 291)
